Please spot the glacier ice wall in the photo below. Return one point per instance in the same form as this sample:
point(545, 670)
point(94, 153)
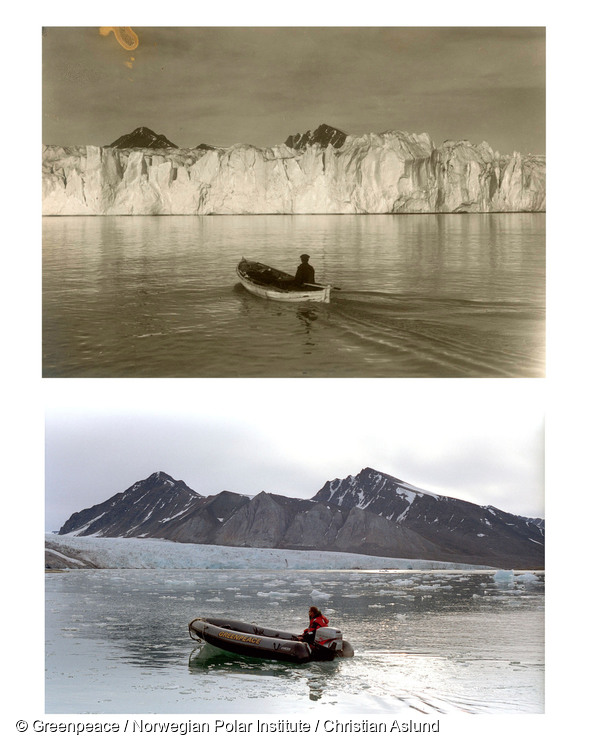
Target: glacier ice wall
point(394, 172)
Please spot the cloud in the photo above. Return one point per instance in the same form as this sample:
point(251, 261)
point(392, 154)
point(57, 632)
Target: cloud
point(477, 441)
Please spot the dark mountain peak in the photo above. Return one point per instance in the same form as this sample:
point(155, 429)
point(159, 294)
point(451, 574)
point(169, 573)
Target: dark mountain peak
point(142, 137)
point(224, 494)
point(266, 497)
point(159, 477)
point(157, 498)
point(452, 523)
point(372, 474)
point(369, 474)
point(369, 471)
point(323, 136)
point(225, 501)
point(370, 487)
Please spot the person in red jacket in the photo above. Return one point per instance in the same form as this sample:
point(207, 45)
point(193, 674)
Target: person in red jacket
point(317, 620)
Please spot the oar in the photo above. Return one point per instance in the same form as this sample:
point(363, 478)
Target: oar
point(320, 286)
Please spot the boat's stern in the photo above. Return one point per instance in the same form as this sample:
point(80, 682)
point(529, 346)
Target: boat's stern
point(329, 643)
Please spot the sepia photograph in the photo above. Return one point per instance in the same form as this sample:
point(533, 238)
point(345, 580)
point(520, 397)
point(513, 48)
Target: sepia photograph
point(293, 201)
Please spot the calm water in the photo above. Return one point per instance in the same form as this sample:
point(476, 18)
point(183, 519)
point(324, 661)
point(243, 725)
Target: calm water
point(433, 642)
point(421, 296)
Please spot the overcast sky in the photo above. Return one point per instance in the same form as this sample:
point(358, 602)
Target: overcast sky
point(223, 86)
point(481, 441)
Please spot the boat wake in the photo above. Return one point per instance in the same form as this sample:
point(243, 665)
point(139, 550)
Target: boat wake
point(343, 682)
point(207, 657)
point(442, 338)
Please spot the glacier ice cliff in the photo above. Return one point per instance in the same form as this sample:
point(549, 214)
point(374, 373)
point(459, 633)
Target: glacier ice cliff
point(393, 172)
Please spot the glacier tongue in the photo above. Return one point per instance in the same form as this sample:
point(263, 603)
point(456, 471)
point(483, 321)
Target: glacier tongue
point(67, 551)
point(393, 172)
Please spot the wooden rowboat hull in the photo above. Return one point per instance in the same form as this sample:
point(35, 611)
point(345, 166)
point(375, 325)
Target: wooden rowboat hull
point(271, 284)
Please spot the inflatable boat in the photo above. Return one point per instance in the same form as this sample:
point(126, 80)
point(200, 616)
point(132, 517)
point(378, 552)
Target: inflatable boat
point(271, 284)
point(252, 640)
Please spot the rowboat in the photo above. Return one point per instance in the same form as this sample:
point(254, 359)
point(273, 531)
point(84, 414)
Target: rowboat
point(247, 639)
point(271, 284)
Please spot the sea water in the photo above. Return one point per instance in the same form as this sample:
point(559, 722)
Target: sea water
point(459, 295)
point(425, 642)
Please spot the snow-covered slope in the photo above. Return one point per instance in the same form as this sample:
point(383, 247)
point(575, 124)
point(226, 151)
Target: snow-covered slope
point(393, 172)
point(65, 551)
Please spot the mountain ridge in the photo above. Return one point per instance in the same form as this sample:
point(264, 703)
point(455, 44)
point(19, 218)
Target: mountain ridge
point(370, 513)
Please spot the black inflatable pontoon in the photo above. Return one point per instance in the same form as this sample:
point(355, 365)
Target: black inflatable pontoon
point(252, 640)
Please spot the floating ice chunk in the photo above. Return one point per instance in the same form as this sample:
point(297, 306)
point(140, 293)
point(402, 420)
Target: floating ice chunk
point(502, 576)
point(402, 582)
point(427, 587)
point(527, 578)
point(276, 595)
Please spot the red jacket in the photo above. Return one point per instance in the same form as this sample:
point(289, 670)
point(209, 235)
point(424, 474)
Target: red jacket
point(317, 622)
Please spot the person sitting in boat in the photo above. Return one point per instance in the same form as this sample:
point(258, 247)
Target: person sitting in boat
point(305, 274)
point(317, 620)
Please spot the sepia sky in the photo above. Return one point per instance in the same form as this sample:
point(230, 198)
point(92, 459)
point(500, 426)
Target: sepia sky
point(481, 441)
point(227, 85)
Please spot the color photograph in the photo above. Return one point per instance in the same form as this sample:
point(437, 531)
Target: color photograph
point(201, 560)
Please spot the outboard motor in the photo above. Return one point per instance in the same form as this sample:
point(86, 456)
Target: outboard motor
point(329, 638)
